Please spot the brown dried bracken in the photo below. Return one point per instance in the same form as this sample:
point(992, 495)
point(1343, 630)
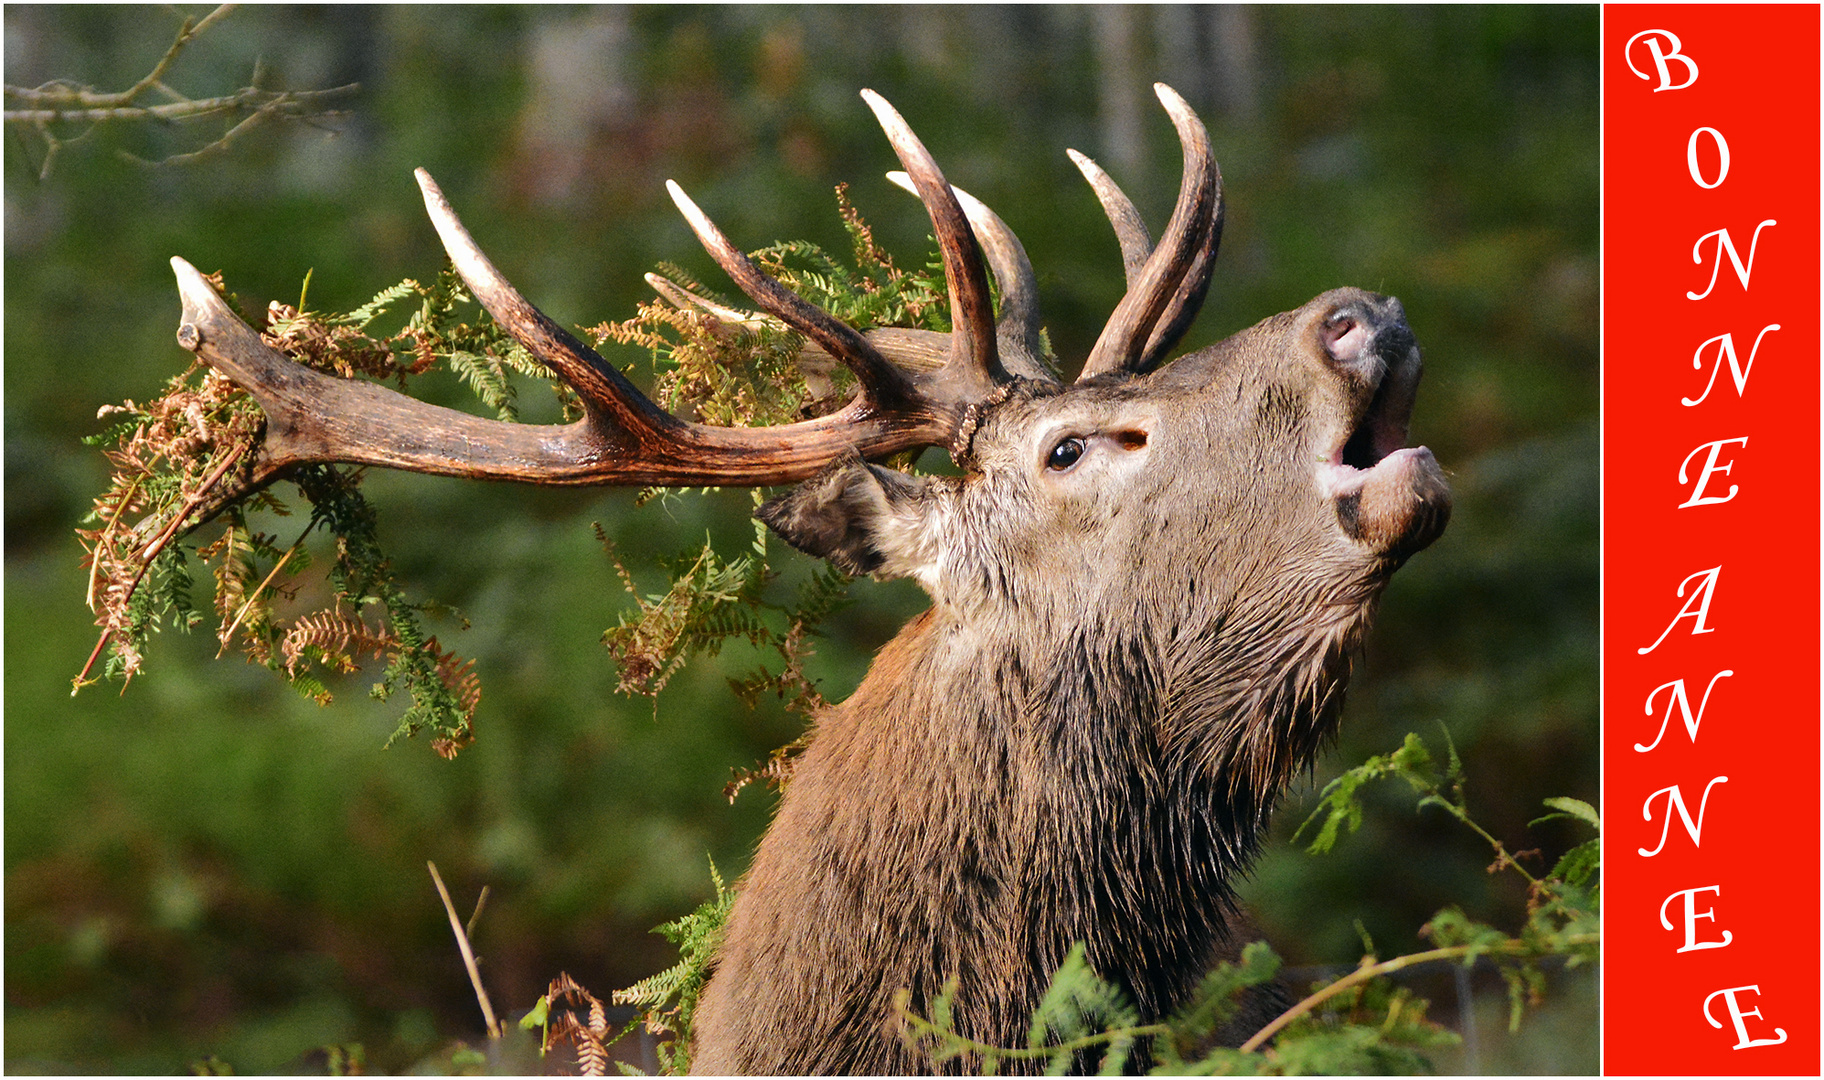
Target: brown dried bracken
point(579, 1019)
point(190, 455)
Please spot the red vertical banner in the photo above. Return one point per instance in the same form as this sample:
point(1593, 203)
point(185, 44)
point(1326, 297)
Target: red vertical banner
point(1711, 456)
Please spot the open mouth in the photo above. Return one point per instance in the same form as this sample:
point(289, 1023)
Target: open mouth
point(1388, 495)
point(1379, 434)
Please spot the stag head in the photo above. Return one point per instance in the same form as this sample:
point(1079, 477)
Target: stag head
point(1259, 491)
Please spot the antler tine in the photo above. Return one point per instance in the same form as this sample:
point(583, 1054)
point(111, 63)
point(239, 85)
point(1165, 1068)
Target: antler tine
point(603, 389)
point(1136, 245)
point(1130, 228)
point(1126, 340)
point(1187, 301)
point(685, 300)
point(1019, 323)
point(974, 350)
point(884, 383)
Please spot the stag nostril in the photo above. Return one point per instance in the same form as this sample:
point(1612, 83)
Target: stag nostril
point(1347, 339)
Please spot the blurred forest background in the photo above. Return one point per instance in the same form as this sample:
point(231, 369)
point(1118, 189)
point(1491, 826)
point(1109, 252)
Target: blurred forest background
point(211, 865)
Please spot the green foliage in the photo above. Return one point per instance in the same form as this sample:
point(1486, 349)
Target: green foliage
point(186, 457)
point(711, 600)
point(876, 293)
point(1081, 1019)
point(668, 1000)
point(727, 366)
point(732, 372)
point(1361, 1023)
point(1213, 1004)
point(1578, 865)
point(443, 688)
point(1339, 804)
point(347, 1059)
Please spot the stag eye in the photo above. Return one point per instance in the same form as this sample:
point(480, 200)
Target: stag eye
point(1065, 454)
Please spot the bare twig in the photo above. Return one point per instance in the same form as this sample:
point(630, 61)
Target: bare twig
point(468, 954)
point(227, 635)
point(64, 103)
point(481, 903)
point(79, 106)
point(1386, 967)
point(113, 522)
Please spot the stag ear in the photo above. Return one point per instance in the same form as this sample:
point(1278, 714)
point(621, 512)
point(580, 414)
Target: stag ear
point(862, 518)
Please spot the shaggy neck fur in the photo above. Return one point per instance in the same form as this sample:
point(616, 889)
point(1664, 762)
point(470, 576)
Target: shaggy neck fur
point(979, 805)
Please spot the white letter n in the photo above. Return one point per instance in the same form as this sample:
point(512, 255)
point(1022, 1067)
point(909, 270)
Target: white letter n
point(1676, 801)
point(1725, 246)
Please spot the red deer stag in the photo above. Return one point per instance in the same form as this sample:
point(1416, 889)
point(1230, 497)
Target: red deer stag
point(1147, 586)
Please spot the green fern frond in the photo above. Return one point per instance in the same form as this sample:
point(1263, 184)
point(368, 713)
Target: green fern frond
point(485, 375)
point(380, 304)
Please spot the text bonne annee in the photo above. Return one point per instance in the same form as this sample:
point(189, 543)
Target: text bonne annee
point(1697, 913)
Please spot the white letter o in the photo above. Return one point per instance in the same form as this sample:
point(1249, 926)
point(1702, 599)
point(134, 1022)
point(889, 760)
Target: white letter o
point(1722, 151)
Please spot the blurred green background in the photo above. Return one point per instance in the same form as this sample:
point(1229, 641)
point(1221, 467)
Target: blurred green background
point(210, 865)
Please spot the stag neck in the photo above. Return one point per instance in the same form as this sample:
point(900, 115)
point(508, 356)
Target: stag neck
point(960, 750)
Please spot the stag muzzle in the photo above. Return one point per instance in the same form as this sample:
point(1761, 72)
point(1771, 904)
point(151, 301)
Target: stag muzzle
point(1389, 496)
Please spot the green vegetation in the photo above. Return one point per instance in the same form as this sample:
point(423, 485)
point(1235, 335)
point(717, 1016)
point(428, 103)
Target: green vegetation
point(212, 868)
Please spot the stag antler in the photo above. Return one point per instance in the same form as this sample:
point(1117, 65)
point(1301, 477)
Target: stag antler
point(1166, 285)
point(917, 387)
point(1017, 331)
point(623, 438)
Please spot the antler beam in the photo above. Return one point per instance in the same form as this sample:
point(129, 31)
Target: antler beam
point(313, 417)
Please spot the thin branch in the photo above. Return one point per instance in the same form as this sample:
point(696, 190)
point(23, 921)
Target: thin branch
point(1386, 967)
point(468, 954)
point(82, 106)
point(62, 102)
point(481, 904)
point(113, 521)
point(59, 93)
point(185, 34)
point(227, 635)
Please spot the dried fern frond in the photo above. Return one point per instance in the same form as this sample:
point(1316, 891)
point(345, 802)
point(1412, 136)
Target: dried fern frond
point(335, 639)
point(188, 455)
point(579, 1019)
point(776, 770)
